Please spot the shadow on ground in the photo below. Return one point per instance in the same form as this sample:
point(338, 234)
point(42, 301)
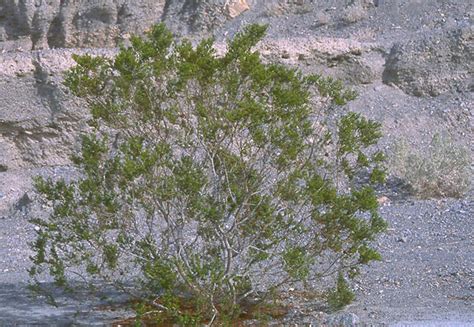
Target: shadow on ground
point(19, 306)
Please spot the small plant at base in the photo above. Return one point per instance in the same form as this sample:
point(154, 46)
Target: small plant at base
point(342, 295)
point(221, 184)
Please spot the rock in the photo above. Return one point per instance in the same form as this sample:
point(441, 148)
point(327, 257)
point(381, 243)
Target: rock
point(285, 7)
point(322, 19)
point(344, 319)
point(236, 7)
point(402, 239)
point(383, 201)
point(23, 203)
point(434, 64)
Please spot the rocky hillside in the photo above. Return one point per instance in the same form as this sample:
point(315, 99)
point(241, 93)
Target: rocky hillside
point(411, 62)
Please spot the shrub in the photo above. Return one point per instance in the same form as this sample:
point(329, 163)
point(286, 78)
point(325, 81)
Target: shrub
point(354, 13)
point(441, 169)
point(210, 180)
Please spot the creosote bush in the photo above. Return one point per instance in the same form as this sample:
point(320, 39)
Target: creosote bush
point(212, 179)
point(440, 169)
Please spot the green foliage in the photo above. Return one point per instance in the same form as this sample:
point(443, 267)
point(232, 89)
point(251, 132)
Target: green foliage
point(209, 179)
point(342, 295)
point(441, 169)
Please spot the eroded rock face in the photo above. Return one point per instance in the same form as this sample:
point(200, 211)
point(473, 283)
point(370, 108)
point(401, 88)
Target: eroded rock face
point(75, 23)
point(348, 60)
point(39, 120)
point(186, 17)
point(432, 65)
point(42, 24)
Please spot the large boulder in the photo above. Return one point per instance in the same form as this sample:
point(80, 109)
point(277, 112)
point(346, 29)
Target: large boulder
point(433, 64)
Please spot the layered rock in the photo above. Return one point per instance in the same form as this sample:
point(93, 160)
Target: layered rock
point(348, 60)
point(39, 121)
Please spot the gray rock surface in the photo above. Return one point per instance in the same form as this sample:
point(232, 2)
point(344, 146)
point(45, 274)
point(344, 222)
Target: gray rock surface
point(430, 277)
point(54, 23)
point(42, 24)
point(434, 64)
point(39, 120)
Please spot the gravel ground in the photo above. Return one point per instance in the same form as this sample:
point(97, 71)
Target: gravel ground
point(427, 273)
point(426, 277)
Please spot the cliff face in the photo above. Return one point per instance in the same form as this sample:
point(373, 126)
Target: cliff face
point(42, 24)
point(410, 61)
